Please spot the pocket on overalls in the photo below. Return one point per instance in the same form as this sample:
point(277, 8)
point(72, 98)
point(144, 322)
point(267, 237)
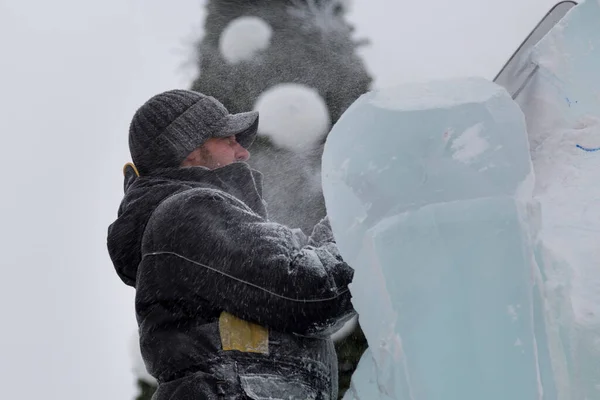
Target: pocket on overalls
point(275, 387)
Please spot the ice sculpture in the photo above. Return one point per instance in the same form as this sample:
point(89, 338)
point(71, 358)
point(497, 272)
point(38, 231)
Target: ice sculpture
point(561, 102)
point(429, 192)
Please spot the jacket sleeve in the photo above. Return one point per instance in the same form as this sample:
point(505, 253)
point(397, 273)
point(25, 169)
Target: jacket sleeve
point(322, 233)
point(238, 262)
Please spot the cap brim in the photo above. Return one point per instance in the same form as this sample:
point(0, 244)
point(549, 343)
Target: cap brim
point(244, 126)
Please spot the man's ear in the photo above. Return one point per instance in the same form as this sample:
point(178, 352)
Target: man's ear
point(193, 159)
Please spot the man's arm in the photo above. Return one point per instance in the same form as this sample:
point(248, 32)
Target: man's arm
point(229, 256)
point(321, 234)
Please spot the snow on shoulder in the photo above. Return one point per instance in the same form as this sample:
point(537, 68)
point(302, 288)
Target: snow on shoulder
point(243, 38)
point(293, 116)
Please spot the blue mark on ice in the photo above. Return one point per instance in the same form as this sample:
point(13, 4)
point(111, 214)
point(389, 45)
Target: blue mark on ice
point(588, 148)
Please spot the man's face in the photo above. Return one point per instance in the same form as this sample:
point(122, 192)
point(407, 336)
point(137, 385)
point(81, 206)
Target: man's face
point(217, 152)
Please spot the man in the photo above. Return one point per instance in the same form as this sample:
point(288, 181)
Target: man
point(229, 305)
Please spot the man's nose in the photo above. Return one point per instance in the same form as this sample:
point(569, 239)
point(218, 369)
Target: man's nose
point(242, 154)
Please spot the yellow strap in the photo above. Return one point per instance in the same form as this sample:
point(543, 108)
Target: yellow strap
point(132, 166)
point(240, 335)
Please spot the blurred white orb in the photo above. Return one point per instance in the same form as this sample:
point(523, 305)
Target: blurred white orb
point(293, 116)
point(243, 37)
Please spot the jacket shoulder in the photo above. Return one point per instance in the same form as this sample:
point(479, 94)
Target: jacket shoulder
point(183, 207)
point(196, 197)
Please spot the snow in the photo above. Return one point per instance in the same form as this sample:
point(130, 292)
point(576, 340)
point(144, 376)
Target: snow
point(561, 108)
point(243, 38)
point(469, 145)
point(569, 192)
point(293, 116)
point(565, 135)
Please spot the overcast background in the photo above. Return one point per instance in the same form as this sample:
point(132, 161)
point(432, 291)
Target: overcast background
point(72, 73)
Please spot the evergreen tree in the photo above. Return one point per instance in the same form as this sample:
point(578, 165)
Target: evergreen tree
point(295, 61)
point(146, 390)
point(306, 43)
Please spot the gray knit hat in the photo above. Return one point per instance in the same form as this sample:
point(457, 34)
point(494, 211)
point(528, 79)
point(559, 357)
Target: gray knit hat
point(169, 126)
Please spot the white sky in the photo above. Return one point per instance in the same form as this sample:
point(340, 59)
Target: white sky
point(72, 73)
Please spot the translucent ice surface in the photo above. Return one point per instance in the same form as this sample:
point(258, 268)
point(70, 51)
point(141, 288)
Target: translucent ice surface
point(429, 191)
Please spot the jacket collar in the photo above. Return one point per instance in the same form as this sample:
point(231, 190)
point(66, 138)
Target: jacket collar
point(237, 179)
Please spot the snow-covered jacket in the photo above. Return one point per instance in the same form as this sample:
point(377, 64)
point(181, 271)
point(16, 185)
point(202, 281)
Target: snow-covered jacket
point(229, 305)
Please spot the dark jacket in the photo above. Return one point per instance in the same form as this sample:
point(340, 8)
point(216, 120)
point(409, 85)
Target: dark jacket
point(229, 305)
